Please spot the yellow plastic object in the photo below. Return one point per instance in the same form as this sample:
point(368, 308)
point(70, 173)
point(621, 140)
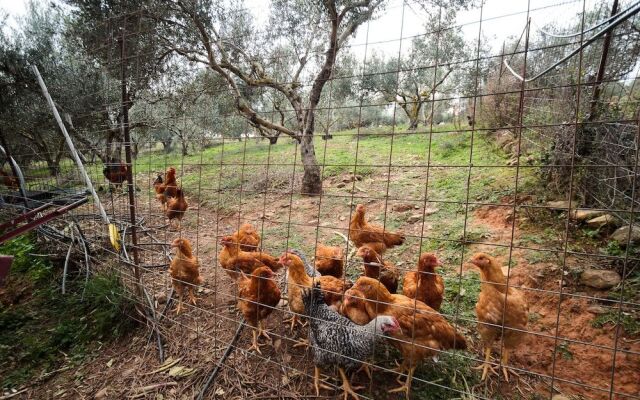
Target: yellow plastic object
point(114, 236)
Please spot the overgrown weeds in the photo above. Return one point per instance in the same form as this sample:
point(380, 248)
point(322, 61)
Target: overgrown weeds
point(42, 329)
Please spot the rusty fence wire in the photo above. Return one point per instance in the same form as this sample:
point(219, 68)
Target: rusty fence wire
point(539, 174)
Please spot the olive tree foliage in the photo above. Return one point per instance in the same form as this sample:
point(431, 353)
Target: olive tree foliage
point(190, 110)
point(119, 36)
point(292, 58)
point(414, 79)
point(75, 83)
point(339, 103)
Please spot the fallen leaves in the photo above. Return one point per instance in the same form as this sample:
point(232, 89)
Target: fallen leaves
point(175, 370)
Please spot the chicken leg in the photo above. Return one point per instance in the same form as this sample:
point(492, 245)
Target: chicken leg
point(406, 386)
point(262, 331)
point(365, 367)
point(254, 342)
point(504, 360)
point(192, 296)
point(346, 386)
point(301, 343)
point(486, 366)
point(399, 370)
point(180, 294)
point(319, 383)
point(294, 321)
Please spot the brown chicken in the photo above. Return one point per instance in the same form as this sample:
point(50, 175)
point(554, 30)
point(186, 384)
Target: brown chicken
point(375, 267)
point(184, 271)
point(158, 186)
point(176, 207)
point(115, 172)
point(424, 284)
point(361, 232)
point(354, 307)
point(169, 188)
point(329, 260)
point(8, 180)
point(233, 259)
point(298, 278)
point(424, 332)
point(248, 237)
point(258, 294)
point(492, 313)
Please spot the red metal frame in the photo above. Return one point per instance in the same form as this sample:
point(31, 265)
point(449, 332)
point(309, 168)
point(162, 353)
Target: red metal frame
point(16, 220)
point(35, 223)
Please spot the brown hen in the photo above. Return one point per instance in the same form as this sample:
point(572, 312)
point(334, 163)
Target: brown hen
point(258, 295)
point(168, 188)
point(232, 259)
point(115, 172)
point(361, 232)
point(176, 207)
point(375, 267)
point(248, 237)
point(424, 284)
point(424, 332)
point(495, 320)
point(184, 271)
point(329, 260)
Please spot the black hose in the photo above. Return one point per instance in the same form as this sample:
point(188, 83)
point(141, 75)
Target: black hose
point(215, 371)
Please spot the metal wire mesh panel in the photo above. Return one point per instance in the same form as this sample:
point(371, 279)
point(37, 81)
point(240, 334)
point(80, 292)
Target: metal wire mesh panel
point(400, 198)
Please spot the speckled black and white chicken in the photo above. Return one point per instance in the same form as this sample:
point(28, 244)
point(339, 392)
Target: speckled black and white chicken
point(336, 340)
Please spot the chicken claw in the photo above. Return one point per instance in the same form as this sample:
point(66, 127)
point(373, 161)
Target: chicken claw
point(504, 361)
point(406, 387)
point(263, 332)
point(399, 370)
point(486, 366)
point(192, 297)
point(365, 367)
point(346, 386)
point(254, 343)
point(294, 320)
point(179, 307)
point(302, 343)
point(319, 383)
point(508, 371)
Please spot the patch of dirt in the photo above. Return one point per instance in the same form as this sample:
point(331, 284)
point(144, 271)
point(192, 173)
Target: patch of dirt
point(199, 336)
point(563, 348)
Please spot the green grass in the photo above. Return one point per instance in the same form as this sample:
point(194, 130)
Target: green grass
point(629, 321)
point(461, 295)
point(452, 377)
point(44, 328)
point(234, 164)
point(564, 350)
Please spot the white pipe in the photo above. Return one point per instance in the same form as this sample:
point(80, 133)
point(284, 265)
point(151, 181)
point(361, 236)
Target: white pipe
point(70, 144)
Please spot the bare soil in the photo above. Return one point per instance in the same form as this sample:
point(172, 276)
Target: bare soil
point(199, 336)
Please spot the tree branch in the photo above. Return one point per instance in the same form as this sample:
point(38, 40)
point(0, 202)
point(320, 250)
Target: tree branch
point(240, 102)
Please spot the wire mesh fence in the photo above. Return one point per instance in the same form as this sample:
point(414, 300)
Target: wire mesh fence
point(416, 145)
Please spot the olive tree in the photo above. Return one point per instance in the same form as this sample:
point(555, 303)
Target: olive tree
point(223, 38)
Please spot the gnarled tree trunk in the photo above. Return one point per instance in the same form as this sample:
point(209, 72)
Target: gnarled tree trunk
point(311, 180)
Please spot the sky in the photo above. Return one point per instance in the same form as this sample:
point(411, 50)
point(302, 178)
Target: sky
point(402, 20)
point(14, 8)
